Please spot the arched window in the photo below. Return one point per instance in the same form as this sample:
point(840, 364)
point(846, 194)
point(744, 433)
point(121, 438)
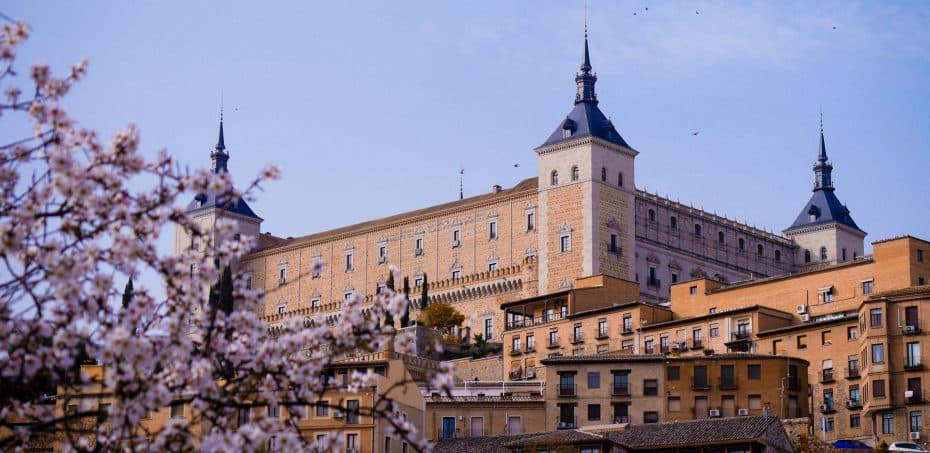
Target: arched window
point(620, 179)
point(807, 256)
point(697, 230)
point(760, 250)
point(652, 215)
point(603, 173)
point(742, 244)
point(574, 172)
point(554, 178)
point(823, 253)
point(720, 238)
point(673, 223)
point(778, 255)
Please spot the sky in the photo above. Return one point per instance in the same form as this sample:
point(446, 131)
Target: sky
point(371, 108)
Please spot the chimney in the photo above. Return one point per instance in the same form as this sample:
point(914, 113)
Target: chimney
point(496, 188)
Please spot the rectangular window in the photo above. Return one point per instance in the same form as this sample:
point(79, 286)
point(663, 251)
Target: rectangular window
point(714, 331)
point(492, 266)
point(802, 341)
point(322, 409)
point(867, 288)
point(245, 414)
point(530, 221)
point(916, 421)
point(826, 337)
point(603, 349)
point(650, 417)
point(878, 388)
point(878, 353)
point(855, 421)
point(492, 229)
point(627, 323)
point(626, 345)
point(515, 344)
point(274, 411)
point(601, 328)
point(352, 412)
point(594, 380)
point(673, 373)
point(650, 387)
point(594, 412)
point(852, 333)
point(456, 238)
point(349, 262)
point(727, 377)
point(565, 244)
point(913, 355)
point(887, 423)
point(875, 315)
point(700, 377)
point(488, 328)
point(648, 346)
point(777, 347)
point(827, 424)
point(920, 255)
point(692, 290)
point(177, 409)
point(418, 246)
point(614, 244)
point(674, 403)
point(352, 442)
point(456, 274)
point(754, 372)
point(755, 402)
point(382, 251)
point(530, 343)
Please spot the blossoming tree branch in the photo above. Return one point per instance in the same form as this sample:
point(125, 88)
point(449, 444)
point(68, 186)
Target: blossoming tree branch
point(75, 226)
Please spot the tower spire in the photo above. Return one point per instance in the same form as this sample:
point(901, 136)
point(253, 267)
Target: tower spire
point(585, 79)
point(823, 171)
point(219, 156)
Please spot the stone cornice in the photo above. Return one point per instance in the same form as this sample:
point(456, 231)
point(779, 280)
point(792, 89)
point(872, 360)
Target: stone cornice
point(584, 141)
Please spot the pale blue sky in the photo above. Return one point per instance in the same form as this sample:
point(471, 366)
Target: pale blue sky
point(370, 107)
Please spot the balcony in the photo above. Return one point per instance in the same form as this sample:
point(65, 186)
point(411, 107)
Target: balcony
point(530, 349)
point(602, 333)
point(827, 408)
point(648, 349)
point(626, 330)
point(911, 330)
point(852, 373)
point(552, 343)
point(520, 323)
point(663, 349)
point(567, 422)
point(700, 384)
point(697, 344)
point(826, 375)
point(568, 390)
point(915, 398)
point(740, 340)
point(515, 351)
point(913, 364)
point(577, 337)
point(853, 404)
point(727, 384)
point(620, 390)
point(621, 419)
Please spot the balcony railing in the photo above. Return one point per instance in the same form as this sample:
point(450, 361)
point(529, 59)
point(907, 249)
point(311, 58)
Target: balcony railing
point(916, 398)
point(742, 335)
point(827, 408)
point(700, 384)
point(620, 390)
point(602, 333)
point(697, 344)
point(853, 404)
point(727, 384)
point(552, 343)
point(648, 349)
point(530, 322)
point(618, 419)
point(530, 348)
point(515, 351)
point(911, 329)
point(626, 329)
point(913, 364)
point(568, 390)
point(852, 373)
point(826, 375)
point(663, 349)
point(567, 422)
point(577, 337)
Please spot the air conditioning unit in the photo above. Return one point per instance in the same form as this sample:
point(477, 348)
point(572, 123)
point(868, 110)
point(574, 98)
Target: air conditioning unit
point(743, 412)
point(531, 374)
point(802, 309)
point(915, 435)
point(910, 329)
point(338, 414)
point(714, 413)
point(806, 318)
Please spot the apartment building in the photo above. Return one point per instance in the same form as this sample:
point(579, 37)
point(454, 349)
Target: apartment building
point(483, 408)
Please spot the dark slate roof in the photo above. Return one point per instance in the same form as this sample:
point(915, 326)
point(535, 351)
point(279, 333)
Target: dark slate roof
point(828, 209)
point(694, 432)
point(565, 437)
point(481, 444)
point(586, 120)
point(211, 200)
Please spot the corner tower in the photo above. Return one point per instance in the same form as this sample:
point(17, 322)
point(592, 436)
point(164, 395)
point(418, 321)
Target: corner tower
point(586, 193)
point(824, 231)
point(207, 208)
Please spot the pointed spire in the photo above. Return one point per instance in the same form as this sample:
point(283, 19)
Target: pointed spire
point(219, 156)
point(585, 79)
point(823, 171)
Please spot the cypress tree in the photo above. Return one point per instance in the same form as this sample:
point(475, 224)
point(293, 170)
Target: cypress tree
point(389, 317)
point(424, 298)
point(226, 291)
point(127, 293)
point(405, 318)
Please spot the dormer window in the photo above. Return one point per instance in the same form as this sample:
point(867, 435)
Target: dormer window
point(813, 213)
point(568, 128)
point(566, 133)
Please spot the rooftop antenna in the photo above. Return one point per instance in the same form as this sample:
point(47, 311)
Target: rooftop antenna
point(461, 183)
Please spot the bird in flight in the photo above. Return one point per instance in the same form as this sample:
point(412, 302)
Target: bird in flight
point(516, 165)
point(695, 132)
